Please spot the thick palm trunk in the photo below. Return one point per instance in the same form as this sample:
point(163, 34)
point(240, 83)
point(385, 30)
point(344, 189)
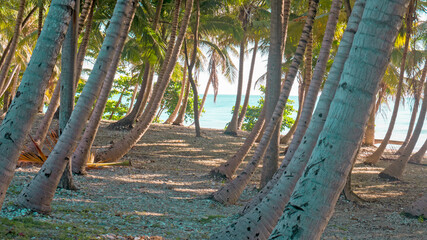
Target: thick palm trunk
point(232, 126)
point(419, 207)
point(21, 114)
point(395, 170)
point(375, 156)
point(39, 193)
point(181, 96)
point(16, 32)
point(417, 95)
point(67, 82)
point(231, 192)
point(418, 156)
point(120, 148)
point(278, 194)
point(227, 169)
point(82, 153)
point(248, 88)
point(273, 82)
point(316, 193)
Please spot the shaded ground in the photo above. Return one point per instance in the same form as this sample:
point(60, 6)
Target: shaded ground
point(164, 193)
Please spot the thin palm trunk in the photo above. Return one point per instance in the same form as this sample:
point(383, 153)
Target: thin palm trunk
point(179, 120)
point(119, 101)
point(40, 18)
point(172, 116)
point(82, 153)
point(375, 156)
point(23, 109)
point(316, 193)
point(248, 88)
point(227, 169)
point(395, 170)
point(146, 86)
point(232, 125)
point(132, 100)
point(273, 82)
point(308, 64)
point(11, 90)
point(286, 182)
point(417, 95)
point(120, 148)
point(39, 193)
point(287, 137)
point(10, 79)
point(231, 192)
point(16, 32)
point(205, 94)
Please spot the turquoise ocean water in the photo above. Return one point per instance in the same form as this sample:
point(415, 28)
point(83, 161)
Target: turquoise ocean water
point(218, 114)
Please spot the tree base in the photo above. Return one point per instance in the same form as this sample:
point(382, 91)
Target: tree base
point(388, 177)
point(231, 133)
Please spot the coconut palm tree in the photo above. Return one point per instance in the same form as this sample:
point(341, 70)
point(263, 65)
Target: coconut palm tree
point(39, 193)
point(316, 193)
point(22, 111)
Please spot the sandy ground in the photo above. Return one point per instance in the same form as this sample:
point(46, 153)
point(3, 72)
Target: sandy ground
point(165, 193)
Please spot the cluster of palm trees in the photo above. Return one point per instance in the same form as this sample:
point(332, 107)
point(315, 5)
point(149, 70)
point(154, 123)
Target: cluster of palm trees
point(350, 45)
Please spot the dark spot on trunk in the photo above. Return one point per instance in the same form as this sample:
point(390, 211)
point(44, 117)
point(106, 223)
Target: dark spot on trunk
point(249, 229)
point(344, 85)
point(47, 175)
point(8, 136)
point(320, 115)
point(18, 93)
point(295, 231)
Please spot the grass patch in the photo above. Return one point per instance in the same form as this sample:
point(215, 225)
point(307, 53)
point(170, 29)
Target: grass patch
point(28, 227)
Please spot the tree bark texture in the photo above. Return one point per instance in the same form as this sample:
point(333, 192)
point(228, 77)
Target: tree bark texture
point(23, 109)
point(232, 191)
point(39, 193)
point(375, 156)
point(418, 156)
point(316, 193)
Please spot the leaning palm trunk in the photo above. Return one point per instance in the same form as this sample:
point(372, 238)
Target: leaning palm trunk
point(232, 191)
point(16, 32)
point(395, 170)
point(39, 193)
point(248, 88)
point(227, 169)
point(418, 156)
point(15, 71)
point(82, 153)
point(287, 137)
point(205, 94)
point(11, 90)
point(375, 156)
point(279, 193)
point(316, 193)
point(181, 96)
point(23, 109)
point(417, 95)
point(232, 125)
point(120, 148)
point(145, 90)
point(179, 120)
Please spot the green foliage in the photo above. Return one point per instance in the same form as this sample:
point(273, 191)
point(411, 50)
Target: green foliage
point(253, 112)
point(122, 86)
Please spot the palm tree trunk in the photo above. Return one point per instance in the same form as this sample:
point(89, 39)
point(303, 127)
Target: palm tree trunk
point(40, 19)
point(82, 153)
point(232, 125)
point(16, 32)
point(118, 102)
point(269, 195)
point(205, 94)
point(418, 156)
point(132, 100)
point(190, 70)
point(12, 89)
point(8, 82)
point(84, 15)
point(230, 193)
point(39, 193)
point(248, 88)
point(179, 120)
point(375, 156)
point(23, 109)
point(285, 139)
point(120, 148)
point(274, 74)
point(181, 96)
point(417, 95)
point(316, 193)
point(227, 169)
point(308, 64)
point(395, 170)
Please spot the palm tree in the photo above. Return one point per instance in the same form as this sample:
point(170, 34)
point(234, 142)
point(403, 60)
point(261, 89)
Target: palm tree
point(231, 192)
point(39, 193)
point(316, 193)
point(375, 156)
point(22, 111)
point(17, 31)
point(120, 148)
